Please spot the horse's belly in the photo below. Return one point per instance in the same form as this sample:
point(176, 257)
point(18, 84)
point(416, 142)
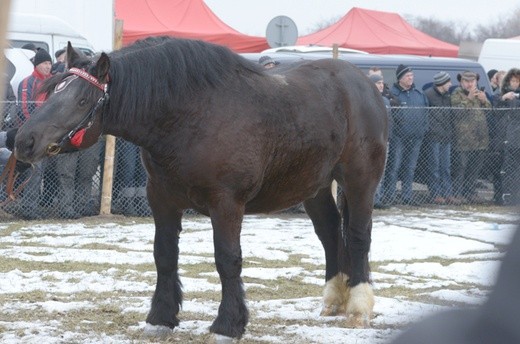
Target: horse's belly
point(282, 197)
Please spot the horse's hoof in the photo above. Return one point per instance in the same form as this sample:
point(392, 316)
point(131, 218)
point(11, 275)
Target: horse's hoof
point(157, 331)
point(329, 310)
point(358, 321)
point(335, 295)
point(216, 338)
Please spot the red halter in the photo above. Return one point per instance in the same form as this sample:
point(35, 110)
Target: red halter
point(75, 136)
point(86, 76)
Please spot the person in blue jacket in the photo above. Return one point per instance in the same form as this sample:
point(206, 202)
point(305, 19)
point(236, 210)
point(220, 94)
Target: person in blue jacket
point(410, 123)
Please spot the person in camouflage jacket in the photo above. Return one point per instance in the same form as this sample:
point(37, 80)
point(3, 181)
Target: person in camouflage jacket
point(471, 136)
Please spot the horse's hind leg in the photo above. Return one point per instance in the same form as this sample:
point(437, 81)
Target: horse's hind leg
point(226, 218)
point(326, 219)
point(357, 230)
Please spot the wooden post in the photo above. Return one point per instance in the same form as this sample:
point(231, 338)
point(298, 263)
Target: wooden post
point(334, 186)
point(110, 142)
point(335, 51)
point(4, 17)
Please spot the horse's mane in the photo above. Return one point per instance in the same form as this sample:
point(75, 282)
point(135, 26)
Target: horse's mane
point(160, 74)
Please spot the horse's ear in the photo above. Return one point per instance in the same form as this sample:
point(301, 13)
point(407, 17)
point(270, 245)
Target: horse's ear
point(102, 67)
point(72, 55)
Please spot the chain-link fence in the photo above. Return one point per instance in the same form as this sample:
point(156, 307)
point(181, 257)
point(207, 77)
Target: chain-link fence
point(462, 156)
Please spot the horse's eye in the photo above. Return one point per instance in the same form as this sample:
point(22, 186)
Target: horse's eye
point(82, 102)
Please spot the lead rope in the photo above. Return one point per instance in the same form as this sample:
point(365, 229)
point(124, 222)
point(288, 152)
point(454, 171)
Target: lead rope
point(11, 174)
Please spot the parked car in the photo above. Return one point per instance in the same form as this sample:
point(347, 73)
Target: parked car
point(311, 49)
point(20, 66)
point(424, 67)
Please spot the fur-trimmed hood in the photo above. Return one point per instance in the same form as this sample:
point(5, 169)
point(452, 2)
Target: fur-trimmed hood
point(505, 82)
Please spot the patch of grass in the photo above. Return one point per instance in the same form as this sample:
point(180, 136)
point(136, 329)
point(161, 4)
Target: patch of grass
point(102, 246)
point(281, 289)
point(202, 296)
point(9, 264)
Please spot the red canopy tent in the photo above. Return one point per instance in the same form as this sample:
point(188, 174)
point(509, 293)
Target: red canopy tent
point(379, 33)
point(181, 18)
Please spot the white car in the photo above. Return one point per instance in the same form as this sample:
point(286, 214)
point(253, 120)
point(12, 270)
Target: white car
point(23, 67)
point(311, 49)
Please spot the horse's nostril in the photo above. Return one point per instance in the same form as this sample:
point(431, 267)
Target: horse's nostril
point(28, 144)
point(24, 147)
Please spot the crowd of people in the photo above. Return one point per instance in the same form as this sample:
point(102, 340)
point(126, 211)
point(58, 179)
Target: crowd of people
point(463, 133)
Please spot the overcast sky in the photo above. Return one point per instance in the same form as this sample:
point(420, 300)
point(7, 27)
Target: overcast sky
point(252, 16)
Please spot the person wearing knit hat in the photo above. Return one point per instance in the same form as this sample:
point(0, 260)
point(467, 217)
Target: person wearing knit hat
point(401, 71)
point(491, 73)
point(386, 90)
point(42, 56)
point(405, 77)
point(441, 78)
point(410, 122)
point(437, 142)
point(29, 98)
point(28, 94)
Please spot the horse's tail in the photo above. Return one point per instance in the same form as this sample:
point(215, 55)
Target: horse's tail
point(344, 264)
point(355, 234)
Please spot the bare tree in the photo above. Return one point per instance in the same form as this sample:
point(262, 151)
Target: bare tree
point(447, 31)
point(505, 27)
point(502, 28)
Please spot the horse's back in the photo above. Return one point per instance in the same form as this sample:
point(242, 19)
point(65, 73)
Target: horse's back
point(331, 111)
point(353, 101)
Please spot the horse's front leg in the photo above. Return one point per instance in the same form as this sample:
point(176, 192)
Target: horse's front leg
point(226, 218)
point(167, 298)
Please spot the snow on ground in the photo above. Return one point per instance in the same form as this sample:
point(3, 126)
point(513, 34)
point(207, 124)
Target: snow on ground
point(449, 256)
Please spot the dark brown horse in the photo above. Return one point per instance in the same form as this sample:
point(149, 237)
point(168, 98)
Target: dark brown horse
point(220, 135)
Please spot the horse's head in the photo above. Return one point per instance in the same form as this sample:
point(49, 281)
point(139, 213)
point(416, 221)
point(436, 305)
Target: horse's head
point(70, 118)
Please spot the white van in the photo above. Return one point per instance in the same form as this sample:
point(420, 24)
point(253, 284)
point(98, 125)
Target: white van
point(500, 54)
point(44, 31)
point(21, 65)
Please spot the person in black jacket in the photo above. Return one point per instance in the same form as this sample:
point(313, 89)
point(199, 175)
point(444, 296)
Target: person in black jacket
point(508, 133)
point(438, 140)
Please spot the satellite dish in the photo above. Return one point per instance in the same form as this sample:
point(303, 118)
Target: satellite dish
point(281, 31)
